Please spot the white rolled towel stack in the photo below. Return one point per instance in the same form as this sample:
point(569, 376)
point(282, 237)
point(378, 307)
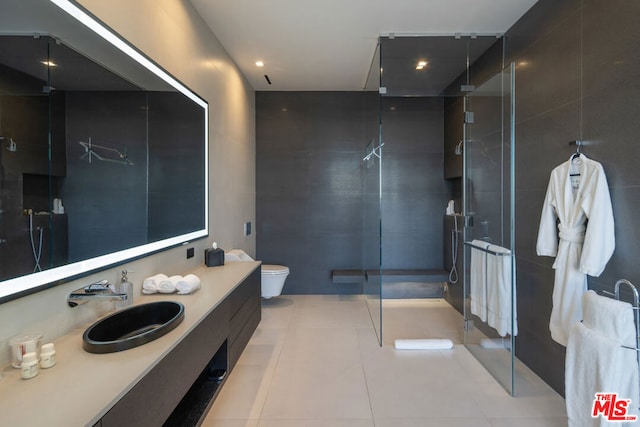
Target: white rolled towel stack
point(150, 285)
point(188, 284)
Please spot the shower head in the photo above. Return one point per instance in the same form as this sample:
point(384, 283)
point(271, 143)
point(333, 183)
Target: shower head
point(459, 148)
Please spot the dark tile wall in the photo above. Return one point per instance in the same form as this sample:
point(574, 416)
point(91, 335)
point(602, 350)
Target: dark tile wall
point(317, 205)
point(176, 176)
point(414, 191)
point(576, 78)
point(97, 191)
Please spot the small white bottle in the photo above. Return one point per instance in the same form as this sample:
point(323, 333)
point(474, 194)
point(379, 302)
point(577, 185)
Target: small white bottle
point(47, 356)
point(29, 365)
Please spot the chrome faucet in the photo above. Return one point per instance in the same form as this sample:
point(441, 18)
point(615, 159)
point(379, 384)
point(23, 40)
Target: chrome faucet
point(98, 290)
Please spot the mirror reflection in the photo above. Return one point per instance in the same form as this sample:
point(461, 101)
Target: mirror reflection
point(101, 160)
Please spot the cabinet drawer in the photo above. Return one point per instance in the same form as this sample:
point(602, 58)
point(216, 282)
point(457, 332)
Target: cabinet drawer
point(238, 346)
point(237, 322)
point(250, 288)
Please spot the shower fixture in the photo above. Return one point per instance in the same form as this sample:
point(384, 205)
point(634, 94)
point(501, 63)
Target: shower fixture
point(90, 152)
point(459, 148)
point(13, 147)
point(375, 151)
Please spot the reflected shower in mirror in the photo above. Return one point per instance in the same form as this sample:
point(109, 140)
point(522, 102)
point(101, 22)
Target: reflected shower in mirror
point(106, 154)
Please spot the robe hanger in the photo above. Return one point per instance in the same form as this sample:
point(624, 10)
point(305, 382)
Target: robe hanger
point(575, 155)
point(578, 145)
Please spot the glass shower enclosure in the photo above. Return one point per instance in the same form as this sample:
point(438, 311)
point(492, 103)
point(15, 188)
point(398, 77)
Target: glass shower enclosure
point(444, 131)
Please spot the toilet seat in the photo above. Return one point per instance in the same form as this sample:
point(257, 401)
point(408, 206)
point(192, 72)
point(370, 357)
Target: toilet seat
point(272, 269)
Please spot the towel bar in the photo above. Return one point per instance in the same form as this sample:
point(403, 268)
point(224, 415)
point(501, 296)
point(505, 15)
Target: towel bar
point(480, 248)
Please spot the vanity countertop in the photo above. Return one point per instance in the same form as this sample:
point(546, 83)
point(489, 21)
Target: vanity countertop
point(82, 386)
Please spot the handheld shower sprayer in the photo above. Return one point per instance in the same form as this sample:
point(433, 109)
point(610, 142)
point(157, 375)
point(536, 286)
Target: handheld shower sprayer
point(37, 254)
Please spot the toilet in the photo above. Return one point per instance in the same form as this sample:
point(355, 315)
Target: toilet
point(273, 277)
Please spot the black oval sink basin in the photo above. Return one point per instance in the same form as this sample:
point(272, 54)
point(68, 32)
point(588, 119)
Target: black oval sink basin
point(132, 327)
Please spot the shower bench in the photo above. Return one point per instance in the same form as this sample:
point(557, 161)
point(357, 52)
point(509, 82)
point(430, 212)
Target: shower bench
point(398, 283)
point(390, 275)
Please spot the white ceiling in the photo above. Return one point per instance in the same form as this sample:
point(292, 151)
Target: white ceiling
point(310, 45)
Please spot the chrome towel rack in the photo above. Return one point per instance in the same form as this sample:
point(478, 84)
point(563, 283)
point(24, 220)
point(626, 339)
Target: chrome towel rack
point(480, 248)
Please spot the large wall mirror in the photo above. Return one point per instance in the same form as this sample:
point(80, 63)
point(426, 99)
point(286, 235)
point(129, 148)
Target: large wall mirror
point(103, 154)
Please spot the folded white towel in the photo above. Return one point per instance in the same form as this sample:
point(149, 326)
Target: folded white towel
point(609, 316)
point(499, 290)
point(478, 280)
point(596, 362)
point(168, 285)
point(150, 284)
point(188, 284)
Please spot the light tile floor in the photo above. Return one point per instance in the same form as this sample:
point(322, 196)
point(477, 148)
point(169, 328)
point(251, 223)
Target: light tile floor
point(314, 361)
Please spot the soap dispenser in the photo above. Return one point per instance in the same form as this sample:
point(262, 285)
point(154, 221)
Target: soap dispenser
point(124, 287)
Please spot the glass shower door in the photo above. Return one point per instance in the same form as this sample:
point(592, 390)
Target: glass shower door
point(488, 206)
point(372, 236)
point(372, 194)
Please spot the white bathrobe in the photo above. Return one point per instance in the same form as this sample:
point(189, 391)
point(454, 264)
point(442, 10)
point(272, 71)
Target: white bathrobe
point(579, 250)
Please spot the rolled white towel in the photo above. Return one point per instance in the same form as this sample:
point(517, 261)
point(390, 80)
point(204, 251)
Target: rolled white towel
point(188, 284)
point(150, 284)
point(237, 255)
point(168, 286)
point(424, 344)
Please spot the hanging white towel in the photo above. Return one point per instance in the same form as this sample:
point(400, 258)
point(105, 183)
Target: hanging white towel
point(609, 316)
point(188, 284)
point(478, 280)
point(150, 284)
point(596, 362)
point(499, 292)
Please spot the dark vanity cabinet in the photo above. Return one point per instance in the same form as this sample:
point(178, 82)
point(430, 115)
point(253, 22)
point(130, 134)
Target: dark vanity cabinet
point(244, 315)
point(180, 389)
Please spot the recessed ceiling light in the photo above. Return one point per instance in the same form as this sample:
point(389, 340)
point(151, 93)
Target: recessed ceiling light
point(49, 63)
point(259, 64)
point(421, 65)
